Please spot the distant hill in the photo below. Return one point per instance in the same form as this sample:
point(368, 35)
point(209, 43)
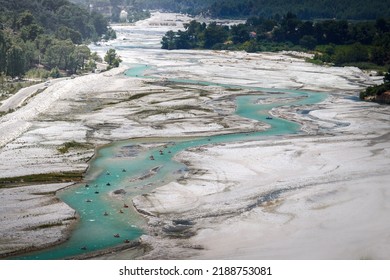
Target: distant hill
point(116, 10)
point(52, 14)
point(46, 35)
point(305, 9)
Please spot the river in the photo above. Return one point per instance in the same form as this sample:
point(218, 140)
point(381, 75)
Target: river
point(124, 169)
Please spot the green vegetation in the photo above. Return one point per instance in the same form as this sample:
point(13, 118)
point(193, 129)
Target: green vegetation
point(112, 9)
point(64, 148)
point(334, 41)
point(36, 179)
point(112, 59)
point(380, 93)
point(305, 9)
point(134, 15)
point(46, 36)
point(11, 88)
point(337, 42)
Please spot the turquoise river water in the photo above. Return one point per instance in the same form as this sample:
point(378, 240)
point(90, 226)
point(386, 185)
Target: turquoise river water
point(105, 222)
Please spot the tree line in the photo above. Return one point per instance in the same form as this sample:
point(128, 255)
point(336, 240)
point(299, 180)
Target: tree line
point(47, 34)
point(379, 93)
point(334, 41)
point(112, 9)
point(305, 9)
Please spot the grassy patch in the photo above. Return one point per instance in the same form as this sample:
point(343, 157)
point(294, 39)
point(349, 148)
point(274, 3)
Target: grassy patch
point(64, 148)
point(36, 179)
point(315, 61)
point(10, 88)
point(369, 66)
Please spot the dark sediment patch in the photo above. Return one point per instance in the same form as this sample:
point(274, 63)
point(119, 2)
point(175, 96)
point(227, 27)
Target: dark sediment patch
point(147, 174)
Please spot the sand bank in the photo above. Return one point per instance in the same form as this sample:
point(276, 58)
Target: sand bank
point(300, 197)
point(32, 217)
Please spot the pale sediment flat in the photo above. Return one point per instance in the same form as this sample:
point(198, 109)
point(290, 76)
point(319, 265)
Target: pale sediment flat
point(321, 196)
point(318, 194)
point(32, 217)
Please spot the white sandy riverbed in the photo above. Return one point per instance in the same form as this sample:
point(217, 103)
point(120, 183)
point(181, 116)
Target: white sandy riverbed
point(317, 195)
point(303, 197)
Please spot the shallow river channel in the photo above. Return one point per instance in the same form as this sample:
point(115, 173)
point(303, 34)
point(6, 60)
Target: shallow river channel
point(125, 169)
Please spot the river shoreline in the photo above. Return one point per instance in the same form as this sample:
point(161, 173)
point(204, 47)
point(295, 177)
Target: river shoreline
point(98, 109)
point(306, 196)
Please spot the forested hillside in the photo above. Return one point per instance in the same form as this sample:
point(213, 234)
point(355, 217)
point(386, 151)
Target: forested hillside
point(304, 9)
point(113, 9)
point(334, 41)
point(46, 35)
point(52, 15)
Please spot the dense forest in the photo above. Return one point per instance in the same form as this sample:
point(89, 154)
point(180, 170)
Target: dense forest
point(304, 9)
point(339, 42)
point(365, 44)
point(116, 10)
point(47, 36)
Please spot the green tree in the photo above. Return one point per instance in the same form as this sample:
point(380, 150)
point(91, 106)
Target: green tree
point(240, 33)
point(112, 58)
point(4, 45)
point(31, 54)
point(31, 32)
point(100, 23)
point(58, 54)
point(183, 40)
point(308, 42)
point(378, 55)
point(351, 53)
point(386, 79)
point(215, 34)
point(3, 79)
point(64, 33)
point(25, 19)
point(78, 58)
point(55, 72)
point(290, 27)
point(95, 57)
point(15, 61)
point(168, 41)
point(334, 31)
point(110, 34)
point(250, 46)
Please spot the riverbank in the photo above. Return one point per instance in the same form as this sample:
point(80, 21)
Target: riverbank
point(320, 196)
point(97, 109)
point(32, 217)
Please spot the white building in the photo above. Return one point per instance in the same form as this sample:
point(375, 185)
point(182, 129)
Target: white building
point(123, 15)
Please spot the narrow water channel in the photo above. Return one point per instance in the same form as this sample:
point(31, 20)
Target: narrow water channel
point(132, 167)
